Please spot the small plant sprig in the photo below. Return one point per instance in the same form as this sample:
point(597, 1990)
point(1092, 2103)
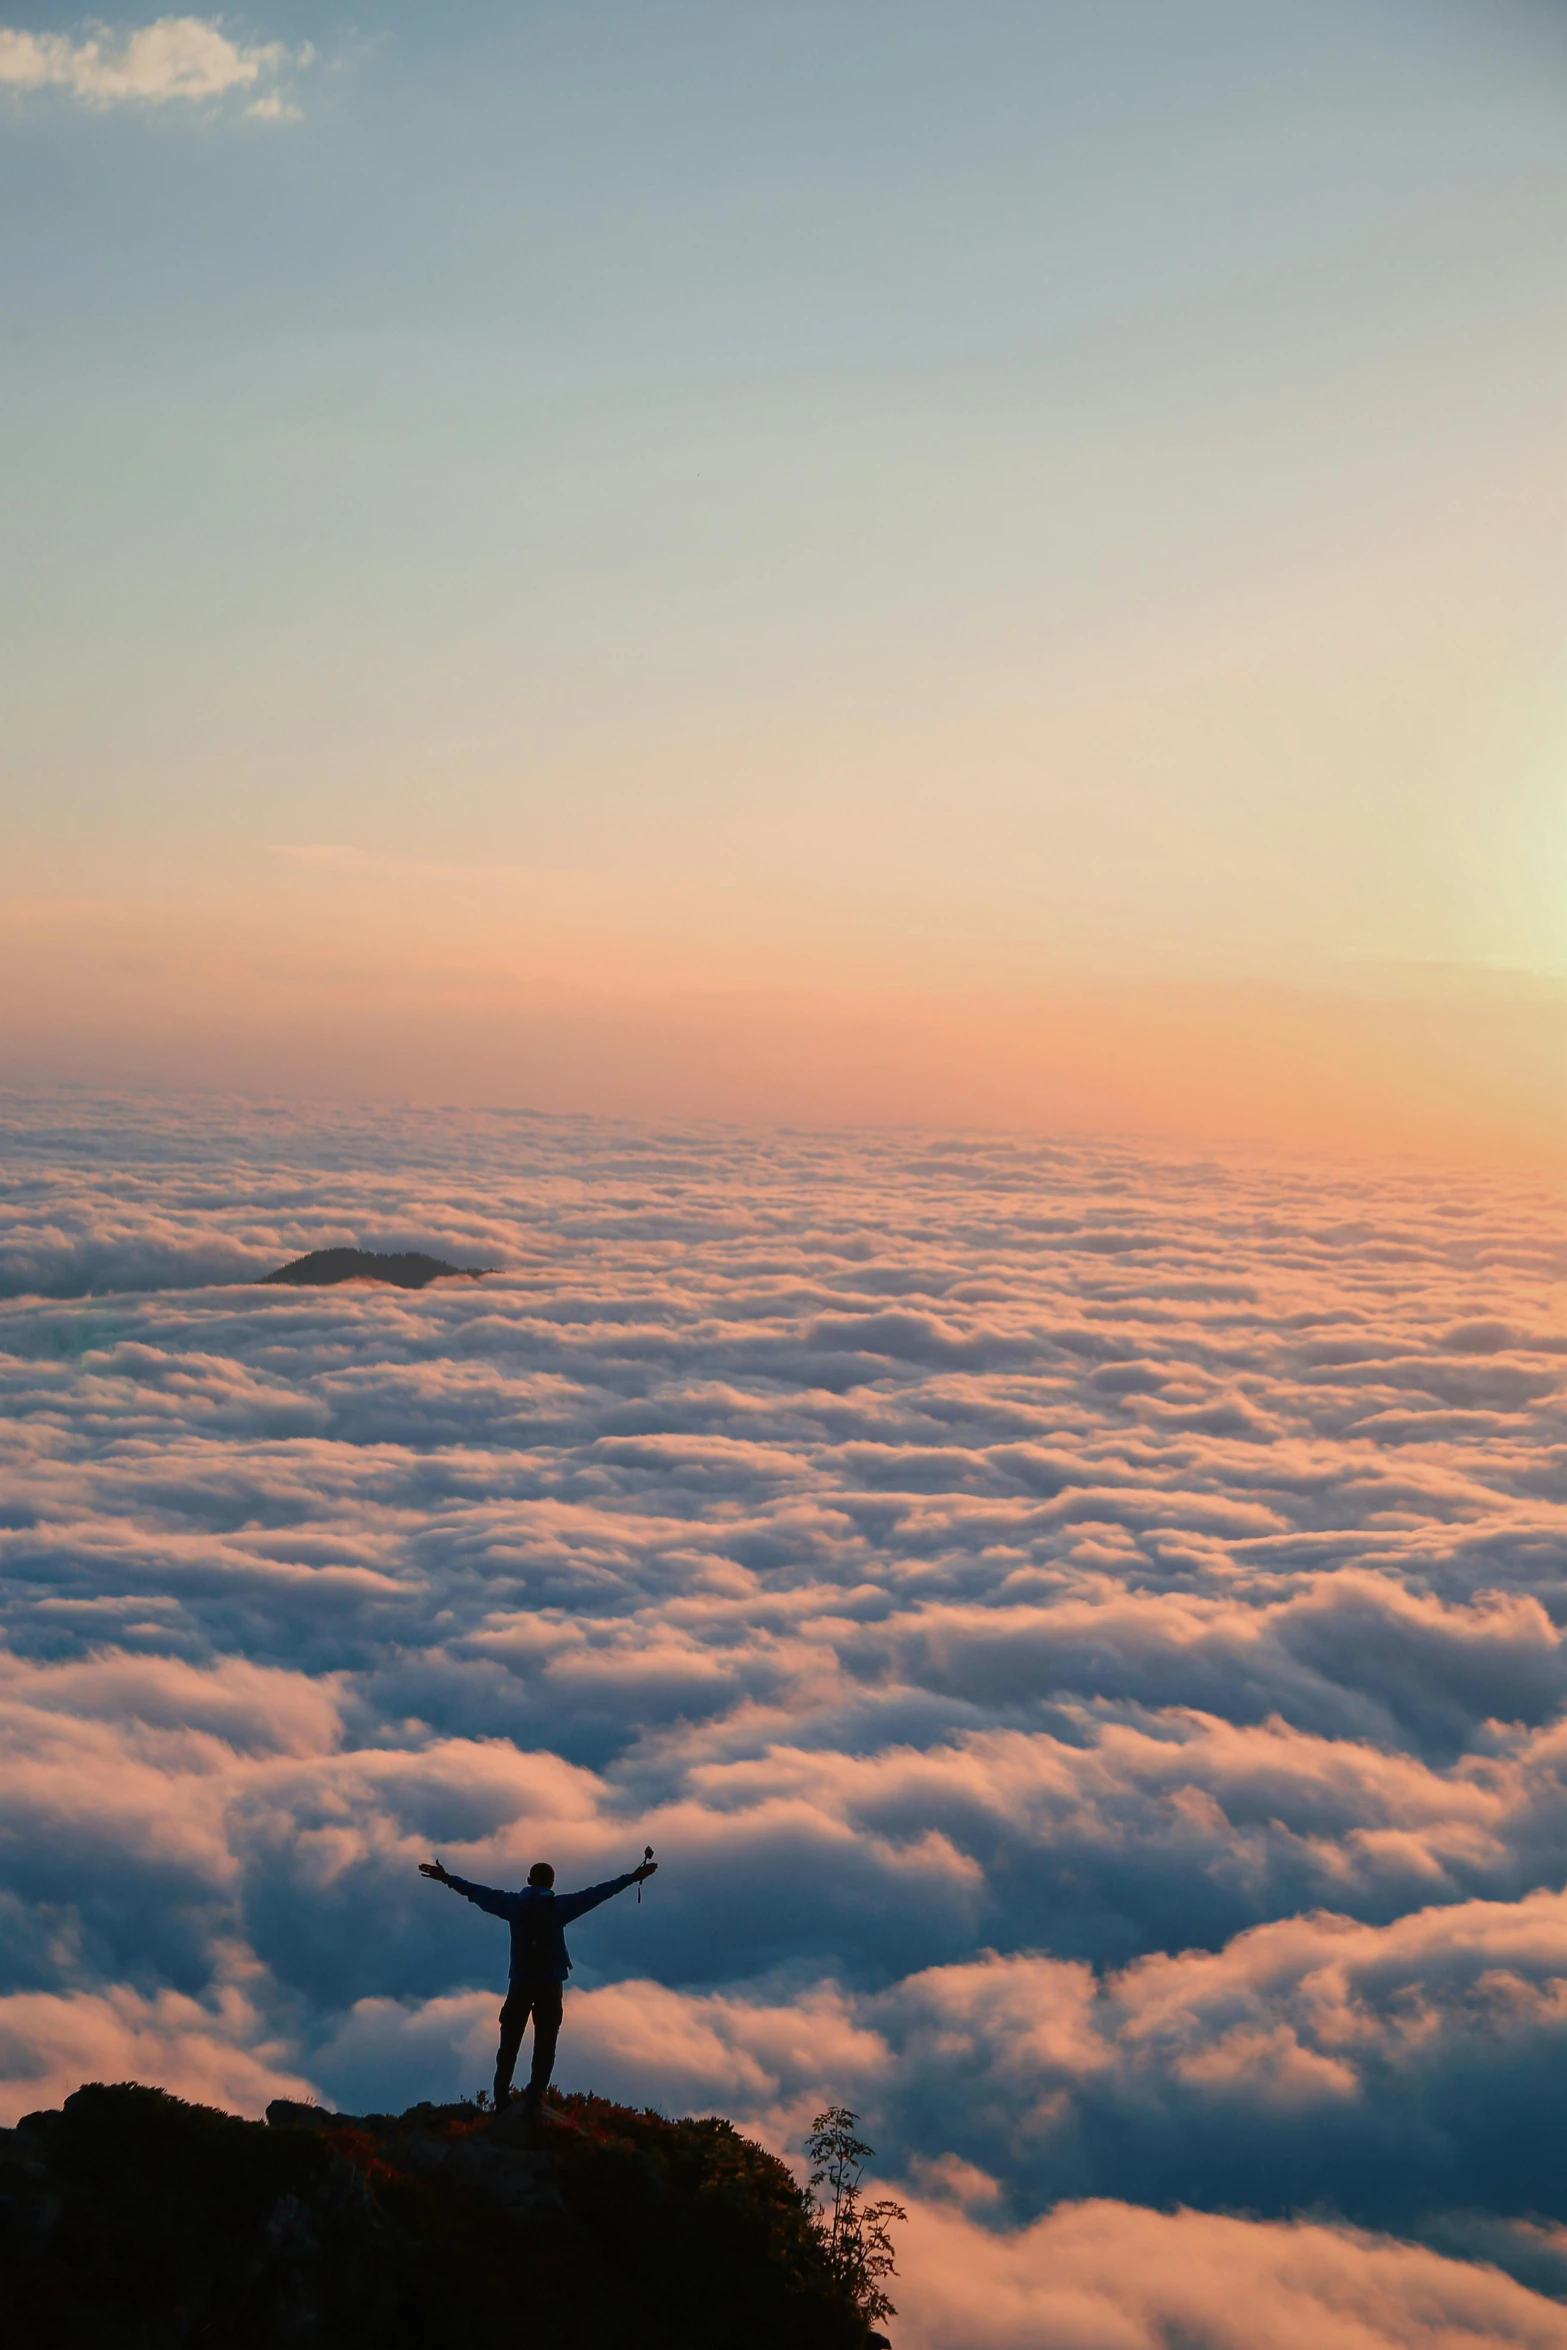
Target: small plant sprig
point(854, 2234)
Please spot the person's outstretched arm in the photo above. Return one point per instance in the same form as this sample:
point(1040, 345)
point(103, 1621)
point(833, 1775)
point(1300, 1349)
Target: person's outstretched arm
point(572, 1905)
point(498, 1904)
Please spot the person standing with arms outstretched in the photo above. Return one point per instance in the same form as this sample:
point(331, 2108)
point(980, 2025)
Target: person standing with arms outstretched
point(540, 1961)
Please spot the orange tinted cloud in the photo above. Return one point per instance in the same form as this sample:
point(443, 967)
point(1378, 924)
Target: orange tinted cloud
point(1104, 2276)
point(1081, 1625)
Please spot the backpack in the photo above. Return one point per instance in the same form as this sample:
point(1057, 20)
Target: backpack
point(534, 1940)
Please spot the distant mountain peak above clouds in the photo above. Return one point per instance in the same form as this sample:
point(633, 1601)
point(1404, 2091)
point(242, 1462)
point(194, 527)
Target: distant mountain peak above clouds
point(410, 1269)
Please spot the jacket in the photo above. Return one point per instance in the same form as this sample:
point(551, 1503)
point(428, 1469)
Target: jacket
point(532, 1932)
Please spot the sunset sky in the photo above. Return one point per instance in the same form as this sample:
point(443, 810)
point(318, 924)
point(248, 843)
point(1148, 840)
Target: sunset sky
point(997, 564)
point(871, 697)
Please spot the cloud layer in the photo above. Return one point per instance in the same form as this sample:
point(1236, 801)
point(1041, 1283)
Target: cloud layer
point(1082, 1628)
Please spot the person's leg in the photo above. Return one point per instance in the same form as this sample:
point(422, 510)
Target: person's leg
point(548, 2001)
point(514, 2017)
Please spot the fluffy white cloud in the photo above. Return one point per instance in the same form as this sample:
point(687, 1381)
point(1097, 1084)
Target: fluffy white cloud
point(175, 57)
point(1098, 2276)
point(215, 2051)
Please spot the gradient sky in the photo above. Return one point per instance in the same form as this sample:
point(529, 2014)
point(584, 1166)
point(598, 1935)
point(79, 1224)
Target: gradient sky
point(589, 554)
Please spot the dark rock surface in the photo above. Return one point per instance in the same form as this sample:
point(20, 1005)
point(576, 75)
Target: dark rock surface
point(132, 2221)
point(324, 1267)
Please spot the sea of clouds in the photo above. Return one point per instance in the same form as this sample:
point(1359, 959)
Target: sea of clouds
point(1082, 1627)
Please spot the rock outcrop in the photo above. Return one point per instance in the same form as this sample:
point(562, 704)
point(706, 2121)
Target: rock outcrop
point(132, 2221)
point(412, 1269)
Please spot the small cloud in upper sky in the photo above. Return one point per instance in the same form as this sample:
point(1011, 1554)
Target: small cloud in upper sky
point(188, 57)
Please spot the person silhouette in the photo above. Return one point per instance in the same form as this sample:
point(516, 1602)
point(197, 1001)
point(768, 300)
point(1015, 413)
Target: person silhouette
point(540, 1961)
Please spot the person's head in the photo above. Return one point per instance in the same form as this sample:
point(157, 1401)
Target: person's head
point(541, 1874)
